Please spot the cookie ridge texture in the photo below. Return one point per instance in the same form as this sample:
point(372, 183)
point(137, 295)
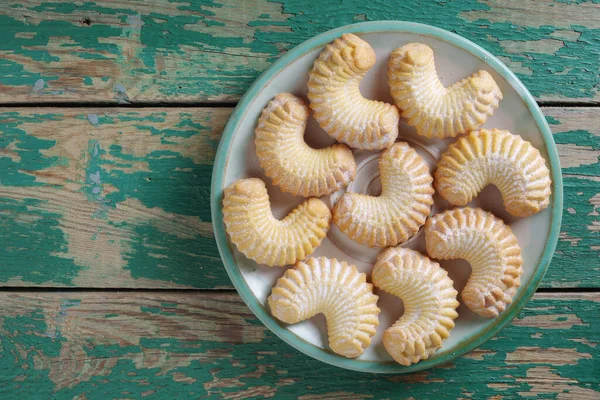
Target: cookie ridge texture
point(491, 248)
point(433, 109)
point(495, 157)
point(292, 164)
point(335, 289)
point(338, 105)
point(263, 238)
point(429, 301)
point(399, 211)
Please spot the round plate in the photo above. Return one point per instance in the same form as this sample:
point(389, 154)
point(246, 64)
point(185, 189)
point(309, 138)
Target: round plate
point(455, 58)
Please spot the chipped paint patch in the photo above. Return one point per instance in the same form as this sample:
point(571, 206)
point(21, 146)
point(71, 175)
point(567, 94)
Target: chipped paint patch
point(93, 118)
point(117, 209)
point(586, 342)
point(39, 85)
point(544, 46)
point(215, 50)
point(544, 380)
point(550, 321)
point(213, 341)
point(567, 34)
point(551, 355)
point(536, 16)
point(574, 155)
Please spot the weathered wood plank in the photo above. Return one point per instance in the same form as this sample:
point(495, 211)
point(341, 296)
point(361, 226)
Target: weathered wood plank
point(120, 197)
point(197, 51)
point(127, 345)
point(577, 136)
point(108, 198)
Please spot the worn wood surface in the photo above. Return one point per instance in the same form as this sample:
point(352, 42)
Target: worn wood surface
point(159, 51)
point(120, 197)
point(108, 198)
point(131, 345)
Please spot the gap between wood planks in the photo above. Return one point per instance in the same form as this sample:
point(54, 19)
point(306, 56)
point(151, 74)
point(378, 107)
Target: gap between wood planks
point(146, 104)
point(215, 104)
point(21, 289)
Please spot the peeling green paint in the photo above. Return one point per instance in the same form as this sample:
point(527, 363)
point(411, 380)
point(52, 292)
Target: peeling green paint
point(172, 182)
point(191, 261)
point(29, 334)
point(36, 47)
point(177, 184)
point(218, 368)
point(577, 226)
point(27, 147)
point(14, 74)
point(33, 245)
point(581, 138)
point(216, 50)
point(575, 61)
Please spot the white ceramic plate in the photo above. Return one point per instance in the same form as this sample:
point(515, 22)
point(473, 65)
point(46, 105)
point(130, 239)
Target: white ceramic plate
point(455, 58)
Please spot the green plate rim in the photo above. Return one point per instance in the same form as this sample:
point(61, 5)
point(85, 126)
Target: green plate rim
point(233, 271)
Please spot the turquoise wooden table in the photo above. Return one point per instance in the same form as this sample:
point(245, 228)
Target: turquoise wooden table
point(111, 282)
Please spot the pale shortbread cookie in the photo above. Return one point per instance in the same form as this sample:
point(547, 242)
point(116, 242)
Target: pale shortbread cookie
point(495, 157)
point(287, 159)
point(429, 303)
point(399, 211)
point(339, 292)
point(340, 108)
point(491, 248)
point(434, 110)
point(263, 238)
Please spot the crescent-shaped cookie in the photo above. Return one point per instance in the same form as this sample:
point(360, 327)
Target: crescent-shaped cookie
point(429, 303)
point(338, 291)
point(488, 245)
point(500, 158)
point(263, 238)
point(401, 209)
point(291, 163)
point(338, 105)
point(434, 110)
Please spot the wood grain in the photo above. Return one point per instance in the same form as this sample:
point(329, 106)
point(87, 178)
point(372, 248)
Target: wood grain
point(120, 197)
point(162, 51)
point(196, 345)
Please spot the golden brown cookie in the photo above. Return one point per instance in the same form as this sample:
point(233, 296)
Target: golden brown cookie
point(263, 238)
point(495, 157)
point(401, 208)
point(429, 303)
point(434, 110)
point(491, 248)
point(287, 159)
point(339, 292)
point(335, 98)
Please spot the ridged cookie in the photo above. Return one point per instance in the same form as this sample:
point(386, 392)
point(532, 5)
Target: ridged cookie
point(401, 209)
point(488, 245)
point(500, 158)
point(429, 303)
point(338, 291)
point(434, 110)
point(335, 98)
point(263, 238)
point(286, 158)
